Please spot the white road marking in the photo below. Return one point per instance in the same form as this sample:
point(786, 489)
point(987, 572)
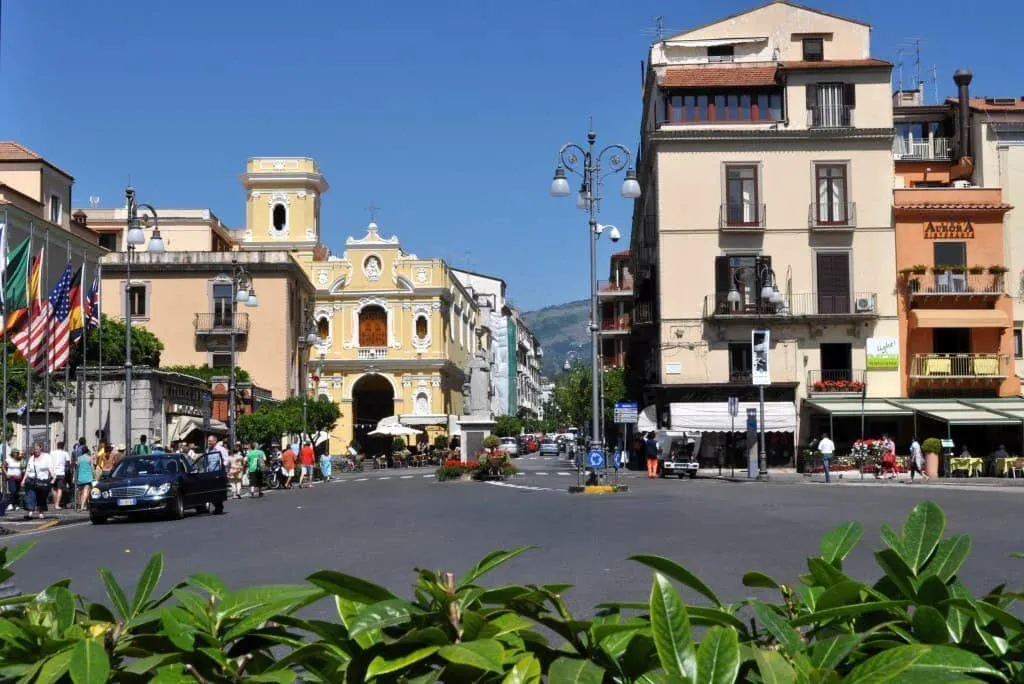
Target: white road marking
point(540, 472)
point(563, 473)
point(522, 487)
point(386, 477)
point(406, 477)
point(362, 479)
point(426, 476)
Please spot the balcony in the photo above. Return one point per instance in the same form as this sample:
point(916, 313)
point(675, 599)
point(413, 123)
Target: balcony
point(830, 116)
point(807, 305)
point(617, 324)
point(742, 217)
point(615, 288)
point(836, 382)
point(221, 324)
point(949, 285)
point(942, 368)
point(832, 216)
point(373, 353)
point(643, 313)
point(922, 149)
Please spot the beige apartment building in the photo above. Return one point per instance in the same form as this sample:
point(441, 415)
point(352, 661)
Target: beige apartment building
point(767, 172)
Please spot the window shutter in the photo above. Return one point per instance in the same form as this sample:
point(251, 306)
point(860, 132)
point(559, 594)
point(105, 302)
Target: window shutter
point(849, 94)
point(812, 95)
point(723, 276)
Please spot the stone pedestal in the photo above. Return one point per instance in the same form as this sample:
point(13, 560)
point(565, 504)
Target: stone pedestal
point(474, 429)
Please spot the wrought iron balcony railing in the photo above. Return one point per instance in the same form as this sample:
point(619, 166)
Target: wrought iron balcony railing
point(952, 367)
point(832, 215)
point(844, 381)
point(799, 305)
point(221, 324)
point(830, 116)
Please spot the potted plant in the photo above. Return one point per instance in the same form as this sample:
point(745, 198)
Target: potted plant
point(931, 447)
point(997, 270)
point(905, 272)
point(919, 269)
point(977, 269)
point(490, 443)
point(958, 268)
point(939, 269)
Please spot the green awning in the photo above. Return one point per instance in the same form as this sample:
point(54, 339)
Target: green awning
point(847, 406)
point(956, 412)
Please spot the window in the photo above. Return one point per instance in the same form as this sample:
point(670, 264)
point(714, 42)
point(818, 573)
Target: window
point(108, 241)
point(951, 340)
point(742, 273)
point(740, 358)
point(56, 208)
point(421, 327)
point(741, 196)
point(830, 194)
point(1018, 344)
point(833, 280)
point(830, 105)
point(721, 53)
point(280, 217)
point(950, 260)
point(731, 105)
point(220, 360)
point(223, 305)
point(323, 328)
point(137, 300)
point(814, 49)
point(373, 327)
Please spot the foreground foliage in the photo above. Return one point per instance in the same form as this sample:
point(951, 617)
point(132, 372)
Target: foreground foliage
point(916, 623)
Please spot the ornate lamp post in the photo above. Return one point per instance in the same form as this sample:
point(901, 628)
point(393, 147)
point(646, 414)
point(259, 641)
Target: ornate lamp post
point(587, 163)
point(133, 238)
point(243, 291)
point(306, 342)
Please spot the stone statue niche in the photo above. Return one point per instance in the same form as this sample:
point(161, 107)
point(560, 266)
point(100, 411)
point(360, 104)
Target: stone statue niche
point(477, 389)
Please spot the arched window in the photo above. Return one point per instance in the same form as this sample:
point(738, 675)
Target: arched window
point(280, 217)
point(421, 327)
point(323, 328)
point(373, 327)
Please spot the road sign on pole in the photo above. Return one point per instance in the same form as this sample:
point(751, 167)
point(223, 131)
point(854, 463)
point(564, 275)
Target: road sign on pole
point(596, 458)
point(734, 406)
point(752, 419)
point(626, 412)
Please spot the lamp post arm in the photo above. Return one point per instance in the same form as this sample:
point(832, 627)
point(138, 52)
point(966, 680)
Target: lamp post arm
point(616, 162)
point(568, 159)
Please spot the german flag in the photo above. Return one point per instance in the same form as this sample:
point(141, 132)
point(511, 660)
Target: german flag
point(76, 318)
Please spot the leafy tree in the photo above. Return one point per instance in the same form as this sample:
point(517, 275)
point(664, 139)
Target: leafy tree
point(206, 372)
point(146, 347)
point(508, 426)
point(321, 414)
point(264, 426)
point(572, 396)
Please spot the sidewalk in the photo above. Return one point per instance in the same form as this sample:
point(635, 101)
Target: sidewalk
point(14, 521)
point(854, 479)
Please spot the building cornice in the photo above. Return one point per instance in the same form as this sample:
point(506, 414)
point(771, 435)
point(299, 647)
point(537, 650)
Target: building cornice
point(391, 365)
point(733, 135)
point(262, 263)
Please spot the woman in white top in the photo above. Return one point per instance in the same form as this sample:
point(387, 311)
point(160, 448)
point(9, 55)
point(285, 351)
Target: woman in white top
point(38, 481)
point(13, 471)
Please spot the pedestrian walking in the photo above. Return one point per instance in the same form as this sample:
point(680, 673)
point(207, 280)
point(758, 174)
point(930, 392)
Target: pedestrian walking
point(306, 460)
point(38, 481)
point(651, 452)
point(85, 474)
point(325, 467)
point(255, 460)
point(827, 448)
point(235, 474)
point(59, 462)
point(916, 460)
point(14, 471)
point(142, 448)
point(213, 446)
point(104, 459)
point(288, 467)
point(119, 454)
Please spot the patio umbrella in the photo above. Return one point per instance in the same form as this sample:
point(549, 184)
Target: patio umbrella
point(392, 428)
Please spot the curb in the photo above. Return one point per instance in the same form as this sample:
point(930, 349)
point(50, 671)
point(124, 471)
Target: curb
point(598, 489)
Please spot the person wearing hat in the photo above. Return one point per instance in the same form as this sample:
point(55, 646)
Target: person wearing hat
point(118, 456)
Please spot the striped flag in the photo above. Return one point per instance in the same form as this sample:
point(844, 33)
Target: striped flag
point(57, 313)
point(28, 339)
point(76, 318)
point(92, 303)
point(16, 269)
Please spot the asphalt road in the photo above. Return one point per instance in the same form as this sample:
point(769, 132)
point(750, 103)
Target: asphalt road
point(381, 526)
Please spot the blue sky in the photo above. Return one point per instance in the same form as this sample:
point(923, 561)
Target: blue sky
point(448, 115)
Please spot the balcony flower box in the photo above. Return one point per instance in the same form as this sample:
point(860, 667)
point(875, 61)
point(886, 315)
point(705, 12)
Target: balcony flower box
point(851, 386)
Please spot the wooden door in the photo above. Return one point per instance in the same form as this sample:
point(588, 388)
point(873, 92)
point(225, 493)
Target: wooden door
point(373, 327)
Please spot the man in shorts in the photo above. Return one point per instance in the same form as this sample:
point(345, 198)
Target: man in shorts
point(288, 467)
point(254, 460)
point(306, 458)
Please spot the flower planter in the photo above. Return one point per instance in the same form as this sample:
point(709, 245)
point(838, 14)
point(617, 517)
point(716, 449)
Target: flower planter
point(931, 464)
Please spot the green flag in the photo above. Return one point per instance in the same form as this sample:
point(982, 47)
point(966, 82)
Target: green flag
point(16, 279)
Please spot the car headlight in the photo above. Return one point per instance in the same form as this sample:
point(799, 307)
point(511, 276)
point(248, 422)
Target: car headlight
point(160, 489)
point(95, 494)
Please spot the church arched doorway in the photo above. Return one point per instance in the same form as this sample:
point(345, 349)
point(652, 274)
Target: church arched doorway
point(373, 398)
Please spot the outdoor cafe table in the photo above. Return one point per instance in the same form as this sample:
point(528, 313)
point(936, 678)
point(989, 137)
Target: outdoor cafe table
point(1003, 465)
point(972, 466)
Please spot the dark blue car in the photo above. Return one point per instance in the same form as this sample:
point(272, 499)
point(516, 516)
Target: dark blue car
point(160, 483)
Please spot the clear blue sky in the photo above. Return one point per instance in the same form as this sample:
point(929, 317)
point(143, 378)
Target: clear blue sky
point(447, 115)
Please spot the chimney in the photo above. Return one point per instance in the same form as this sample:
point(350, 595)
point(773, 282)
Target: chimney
point(962, 78)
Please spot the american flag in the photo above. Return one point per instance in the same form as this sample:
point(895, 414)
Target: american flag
point(57, 310)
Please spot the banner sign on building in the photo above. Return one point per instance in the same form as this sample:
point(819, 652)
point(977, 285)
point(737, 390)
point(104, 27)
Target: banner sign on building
point(883, 353)
point(760, 343)
point(499, 367)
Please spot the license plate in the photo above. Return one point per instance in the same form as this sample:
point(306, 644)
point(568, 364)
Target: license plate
point(126, 502)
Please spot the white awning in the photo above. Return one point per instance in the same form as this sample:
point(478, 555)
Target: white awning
point(425, 419)
point(712, 42)
point(182, 426)
point(696, 416)
point(648, 419)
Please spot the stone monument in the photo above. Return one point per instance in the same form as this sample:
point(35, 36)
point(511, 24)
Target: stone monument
point(477, 422)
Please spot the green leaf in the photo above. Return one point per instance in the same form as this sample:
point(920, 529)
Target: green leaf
point(381, 665)
point(671, 630)
point(828, 654)
point(489, 562)
point(12, 554)
point(278, 676)
point(891, 539)
point(707, 617)
point(848, 612)
point(839, 541)
point(759, 579)
point(484, 654)
point(997, 644)
point(774, 668)
point(149, 663)
point(209, 583)
point(897, 571)
point(718, 657)
point(115, 593)
point(778, 627)
point(382, 614)
point(53, 668)
point(349, 587)
point(841, 594)
point(921, 534)
point(61, 602)
point(943, 660)
point(950, 554)
point(825, 574)
point(89, 663)
point(930, 626)
point(574, 671)
point(147, 582)
point(1008, 621)
point(887, 666)
point(526, 671)
point(176, 630)
point(678, 573)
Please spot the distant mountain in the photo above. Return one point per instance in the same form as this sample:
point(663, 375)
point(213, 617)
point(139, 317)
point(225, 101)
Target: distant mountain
point(560, 329)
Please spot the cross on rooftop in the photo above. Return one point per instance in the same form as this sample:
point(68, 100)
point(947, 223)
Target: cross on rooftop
point(373, 209)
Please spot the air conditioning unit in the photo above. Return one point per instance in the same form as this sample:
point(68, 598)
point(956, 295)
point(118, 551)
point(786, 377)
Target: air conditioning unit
point(864, 305)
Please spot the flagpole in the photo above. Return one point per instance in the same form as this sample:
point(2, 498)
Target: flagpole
point(99, 341)
point(67, 368)
point(44, 286)
point(82, 375)
point(28, 364)
point(5, 238)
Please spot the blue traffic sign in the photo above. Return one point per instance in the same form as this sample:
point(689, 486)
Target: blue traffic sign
point(596, 458)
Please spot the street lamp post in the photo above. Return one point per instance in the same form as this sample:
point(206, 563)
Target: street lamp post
point(589, 199)
point(134, 237)
point(306, 342)
point(243, 291)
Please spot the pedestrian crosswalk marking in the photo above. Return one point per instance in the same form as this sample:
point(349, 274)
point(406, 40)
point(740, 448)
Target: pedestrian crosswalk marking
point(527, 488)
point(405, 477)
point(386, 477)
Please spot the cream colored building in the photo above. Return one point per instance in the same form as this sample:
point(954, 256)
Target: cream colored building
point(766, 162)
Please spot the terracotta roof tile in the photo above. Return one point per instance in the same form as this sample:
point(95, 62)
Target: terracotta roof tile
point(12, 151)
point(981, 104)
point(976, 206)
point(837, 64)
point(737, 76)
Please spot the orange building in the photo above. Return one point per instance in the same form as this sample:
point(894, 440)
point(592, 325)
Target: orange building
point(616, 298)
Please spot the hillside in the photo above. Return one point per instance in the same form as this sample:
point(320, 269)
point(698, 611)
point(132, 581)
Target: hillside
point(561, 328)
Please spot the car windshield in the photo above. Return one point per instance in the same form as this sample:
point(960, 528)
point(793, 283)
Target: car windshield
point(138, 466)
point(548, 441)
point(508, 440)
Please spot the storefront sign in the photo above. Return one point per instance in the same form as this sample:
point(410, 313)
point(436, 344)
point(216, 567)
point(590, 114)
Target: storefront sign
point(948, 230)
point(883, 353)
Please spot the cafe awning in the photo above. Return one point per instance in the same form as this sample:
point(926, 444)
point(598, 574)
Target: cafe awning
point(959, 318)
point(847, 406)
point(956, 412)
point(182, 426)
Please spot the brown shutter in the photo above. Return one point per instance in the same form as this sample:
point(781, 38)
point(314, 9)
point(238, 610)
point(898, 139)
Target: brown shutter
point(850, 94)
point(833, 282)
point(373, 327)
point(723, 282)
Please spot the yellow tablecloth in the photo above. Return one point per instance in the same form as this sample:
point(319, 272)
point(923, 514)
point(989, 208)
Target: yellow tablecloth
point(972, 466)
point(1003, 466)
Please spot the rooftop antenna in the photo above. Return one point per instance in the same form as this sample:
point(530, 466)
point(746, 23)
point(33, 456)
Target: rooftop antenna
point(915, 45)
point(94, 201)
point(467, 258)
point(899, 67)
point(659, 27)
point(935, 83)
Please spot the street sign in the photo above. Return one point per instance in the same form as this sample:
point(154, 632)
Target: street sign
point(752, 419)
point(734, 406)
point(626, 412)
point(596, 458)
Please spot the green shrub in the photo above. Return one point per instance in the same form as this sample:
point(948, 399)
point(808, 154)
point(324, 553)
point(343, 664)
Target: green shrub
point(398, 444)
point(916, 623)
point(441, 442)
point(491, 442)
point(932, 445)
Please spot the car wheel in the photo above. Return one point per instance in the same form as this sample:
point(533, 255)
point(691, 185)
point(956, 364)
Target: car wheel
point(97, 519)
point(693, 475)
point(218, 507)
point(176, 509)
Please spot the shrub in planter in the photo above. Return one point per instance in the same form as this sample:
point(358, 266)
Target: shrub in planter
point(491, 442)
point(441, 442)
point(976, 270)
point(932, 445)
point(919, 269)
point(452, 469)
point(998, 270)
point(398, 444)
